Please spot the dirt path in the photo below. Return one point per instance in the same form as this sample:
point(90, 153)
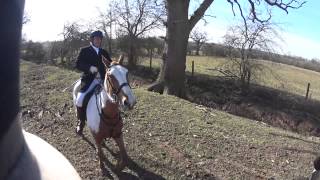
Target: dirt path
point(166, 137)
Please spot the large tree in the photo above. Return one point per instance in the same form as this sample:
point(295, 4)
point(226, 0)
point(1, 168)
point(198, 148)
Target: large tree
point(171, 79)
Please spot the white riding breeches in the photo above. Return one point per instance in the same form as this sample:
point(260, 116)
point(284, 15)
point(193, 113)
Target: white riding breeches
point(82, 95)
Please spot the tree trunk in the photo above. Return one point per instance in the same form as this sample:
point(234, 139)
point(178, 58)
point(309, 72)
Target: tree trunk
point(62, 59)
point(172, 72)
point(197, 48)
point(177, 39)
point(151, 55)
point(110, 36)
point(132, 57)
point(109, 45)
point(158, 86)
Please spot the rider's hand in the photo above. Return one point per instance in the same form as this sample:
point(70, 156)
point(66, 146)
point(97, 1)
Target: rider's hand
point(93, 69)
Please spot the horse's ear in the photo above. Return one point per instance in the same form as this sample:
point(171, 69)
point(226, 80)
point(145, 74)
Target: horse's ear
point(105, 61)
point(120, 61)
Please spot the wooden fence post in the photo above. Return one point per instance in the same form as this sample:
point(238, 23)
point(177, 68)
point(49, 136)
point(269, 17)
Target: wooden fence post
point(192, 72)
point(308, 88)
point(151, 54)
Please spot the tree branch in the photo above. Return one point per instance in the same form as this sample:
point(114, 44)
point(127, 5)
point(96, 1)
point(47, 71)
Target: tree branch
point(285, 6)
point(292, 4)
point(198, 14)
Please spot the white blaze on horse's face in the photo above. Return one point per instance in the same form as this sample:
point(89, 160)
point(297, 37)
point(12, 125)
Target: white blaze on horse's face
point(126, 96)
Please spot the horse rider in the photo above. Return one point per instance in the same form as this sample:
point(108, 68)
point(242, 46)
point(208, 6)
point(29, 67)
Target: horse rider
point(89, 62)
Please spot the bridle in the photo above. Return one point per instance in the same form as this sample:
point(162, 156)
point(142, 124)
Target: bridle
point(114, 90)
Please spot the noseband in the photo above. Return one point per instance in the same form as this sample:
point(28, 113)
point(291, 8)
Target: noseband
point(114, 90)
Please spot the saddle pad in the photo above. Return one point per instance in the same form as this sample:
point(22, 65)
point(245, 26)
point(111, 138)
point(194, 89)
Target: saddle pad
point(86, 99)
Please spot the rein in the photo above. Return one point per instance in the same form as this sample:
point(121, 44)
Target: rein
point(114, 90)
point(115, 93)
point(102, 115)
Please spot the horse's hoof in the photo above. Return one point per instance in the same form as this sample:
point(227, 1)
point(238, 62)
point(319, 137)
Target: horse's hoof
point(121, 166)
point(79, 131)
point(101, 165)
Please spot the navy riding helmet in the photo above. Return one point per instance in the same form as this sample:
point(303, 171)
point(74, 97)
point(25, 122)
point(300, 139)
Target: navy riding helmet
point(96, 34)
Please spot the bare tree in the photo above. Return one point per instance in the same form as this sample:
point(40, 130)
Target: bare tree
point(135, 18)
point(242, 40)
point(105, 22)
point(199, 37)
point(178, 28)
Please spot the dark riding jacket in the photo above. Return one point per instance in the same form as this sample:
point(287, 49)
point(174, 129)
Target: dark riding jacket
point(88, 57)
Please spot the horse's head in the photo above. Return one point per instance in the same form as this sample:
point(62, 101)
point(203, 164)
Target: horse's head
point(116, 83)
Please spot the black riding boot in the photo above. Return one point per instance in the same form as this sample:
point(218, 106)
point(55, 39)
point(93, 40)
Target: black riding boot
point(81, 115)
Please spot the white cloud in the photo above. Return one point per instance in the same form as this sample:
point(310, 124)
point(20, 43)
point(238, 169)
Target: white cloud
point(216, 28)
point(215, 31)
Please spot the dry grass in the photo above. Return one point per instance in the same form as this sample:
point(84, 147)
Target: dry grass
point(279, 76)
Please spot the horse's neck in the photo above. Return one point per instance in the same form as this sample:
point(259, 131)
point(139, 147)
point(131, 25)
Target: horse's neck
point(109, 107)
point(106, 99)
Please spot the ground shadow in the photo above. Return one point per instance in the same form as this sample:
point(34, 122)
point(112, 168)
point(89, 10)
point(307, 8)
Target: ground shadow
point(145, 174)
point(88, 141)
point(109, 168)
point(141, 172)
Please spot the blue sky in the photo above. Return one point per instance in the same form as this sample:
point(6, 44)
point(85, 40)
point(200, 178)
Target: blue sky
point(301, 32)
point(299, 28)
point(303, 21)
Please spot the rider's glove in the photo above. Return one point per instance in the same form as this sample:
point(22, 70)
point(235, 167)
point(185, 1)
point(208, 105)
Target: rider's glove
point(93, 69)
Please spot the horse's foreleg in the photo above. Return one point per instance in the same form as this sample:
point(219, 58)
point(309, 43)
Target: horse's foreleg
point(123, 154)
point(99, 149)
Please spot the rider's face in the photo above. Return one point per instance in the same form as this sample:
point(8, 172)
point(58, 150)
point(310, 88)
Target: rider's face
point(96, 41)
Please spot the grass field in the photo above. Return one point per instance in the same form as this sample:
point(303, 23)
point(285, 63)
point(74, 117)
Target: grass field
point(166, 137)
point(279, 76)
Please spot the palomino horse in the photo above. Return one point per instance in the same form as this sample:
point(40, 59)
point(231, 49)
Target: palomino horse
point(103, 113)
